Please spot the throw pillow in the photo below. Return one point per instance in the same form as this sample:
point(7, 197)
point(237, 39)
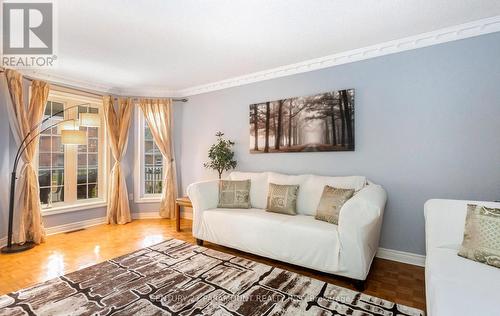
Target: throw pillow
point(234, 194)
point(282, 198)
point(482, 235)
point(331, 202)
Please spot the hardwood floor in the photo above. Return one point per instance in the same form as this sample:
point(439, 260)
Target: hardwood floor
point(67, 252)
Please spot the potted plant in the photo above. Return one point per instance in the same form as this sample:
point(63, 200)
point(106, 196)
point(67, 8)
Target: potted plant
point(221, 155)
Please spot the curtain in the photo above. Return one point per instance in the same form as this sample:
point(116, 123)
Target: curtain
point(158, 115)
point(22, 120)
point(118, 124)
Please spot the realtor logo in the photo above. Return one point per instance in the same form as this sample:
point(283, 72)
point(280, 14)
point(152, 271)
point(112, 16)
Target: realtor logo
point(28, 34)
point(27, 28)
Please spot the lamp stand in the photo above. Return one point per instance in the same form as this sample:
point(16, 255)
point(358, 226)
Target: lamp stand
point(13, 248)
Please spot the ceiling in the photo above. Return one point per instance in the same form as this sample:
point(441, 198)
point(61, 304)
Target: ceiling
point(173, 45)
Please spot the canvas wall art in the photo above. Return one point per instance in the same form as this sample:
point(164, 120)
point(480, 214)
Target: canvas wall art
point(321, 122)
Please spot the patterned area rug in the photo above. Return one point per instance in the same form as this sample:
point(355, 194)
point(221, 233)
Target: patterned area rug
point(179, 278)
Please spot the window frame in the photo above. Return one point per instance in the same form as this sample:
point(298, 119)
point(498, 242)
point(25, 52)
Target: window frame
point(71, 159)
point(139, 183)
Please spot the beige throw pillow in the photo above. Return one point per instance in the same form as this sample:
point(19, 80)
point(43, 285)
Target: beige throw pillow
point(331, 202)
point(282, 198)
point(482, 235)
point(234, 194)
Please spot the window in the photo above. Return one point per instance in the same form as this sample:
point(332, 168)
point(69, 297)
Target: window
point(149, 163)
point(153, 164)
point(71, 175)
point(88, 160)
point(51, 158)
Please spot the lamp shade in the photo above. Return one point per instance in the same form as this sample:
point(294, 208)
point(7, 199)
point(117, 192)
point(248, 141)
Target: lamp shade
point(72, 137)
point(90, 120)
point(72, 125)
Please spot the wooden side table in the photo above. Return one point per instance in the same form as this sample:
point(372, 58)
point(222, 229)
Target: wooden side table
point(182, 201)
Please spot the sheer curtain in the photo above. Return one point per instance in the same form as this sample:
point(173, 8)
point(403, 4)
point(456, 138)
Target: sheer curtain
point(22, 119)
point(158, 116)
point(118, 125)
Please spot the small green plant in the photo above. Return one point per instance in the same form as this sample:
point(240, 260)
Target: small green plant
point(221, 155)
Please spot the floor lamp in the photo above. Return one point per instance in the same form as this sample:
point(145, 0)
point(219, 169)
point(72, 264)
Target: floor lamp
point(70, 135)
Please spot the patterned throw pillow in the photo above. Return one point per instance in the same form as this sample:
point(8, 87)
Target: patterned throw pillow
point(482, 235)
point(282, 198)
point(331, 202)
point(234, 194)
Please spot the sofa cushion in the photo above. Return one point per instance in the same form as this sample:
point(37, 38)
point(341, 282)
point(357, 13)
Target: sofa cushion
point(331, 202)
point(311, 188)
point(258, 187)
point(282, 198)
point(482, 235)
point(299, 239)
point(234, 194)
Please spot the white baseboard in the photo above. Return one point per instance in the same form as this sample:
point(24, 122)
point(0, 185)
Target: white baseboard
point(401, 256)
point(146, 215)
point(66, 227)
point(155, 215)
point(75, 226)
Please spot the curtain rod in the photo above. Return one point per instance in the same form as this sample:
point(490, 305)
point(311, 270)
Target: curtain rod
point(97, 94)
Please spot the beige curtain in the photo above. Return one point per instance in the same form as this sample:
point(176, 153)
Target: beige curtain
point(23, 119)
point(118, 125)
point(158, 115)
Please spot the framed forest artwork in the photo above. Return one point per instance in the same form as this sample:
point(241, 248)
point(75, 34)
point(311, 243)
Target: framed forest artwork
point(321, 122)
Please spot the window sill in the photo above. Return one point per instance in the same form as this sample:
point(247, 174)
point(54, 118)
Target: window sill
point(147, 199)
point(67, 208)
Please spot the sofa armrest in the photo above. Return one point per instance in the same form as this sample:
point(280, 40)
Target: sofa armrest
point(359, 226)
point(364, 207)
point(203, 195)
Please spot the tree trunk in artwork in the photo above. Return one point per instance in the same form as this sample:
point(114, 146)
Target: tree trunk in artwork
point(255, 127)
point(334, 130)
point(273, 119)
point(342, 120)
point(268, 114)
point(277, 135)
point(347, 109)
point(327, 132)
point(290, 125)
point(294, 134)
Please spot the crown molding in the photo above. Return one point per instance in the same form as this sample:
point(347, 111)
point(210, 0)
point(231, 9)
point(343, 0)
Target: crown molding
point(69, 82)
point(444, 35)
point(453, 33)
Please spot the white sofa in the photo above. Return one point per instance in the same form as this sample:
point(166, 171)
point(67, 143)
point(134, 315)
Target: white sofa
point(455, 285)
point(347, 249)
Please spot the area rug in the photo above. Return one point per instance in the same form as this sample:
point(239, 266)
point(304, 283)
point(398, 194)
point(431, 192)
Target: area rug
point(179, 278)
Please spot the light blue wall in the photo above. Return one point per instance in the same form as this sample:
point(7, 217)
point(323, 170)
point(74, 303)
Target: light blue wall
point(4, 162)
point(427, 126)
